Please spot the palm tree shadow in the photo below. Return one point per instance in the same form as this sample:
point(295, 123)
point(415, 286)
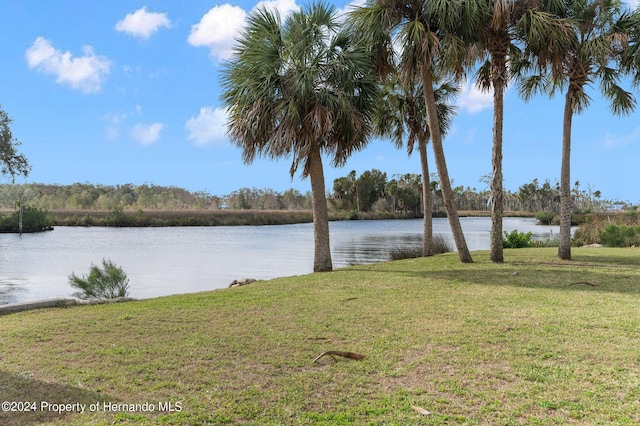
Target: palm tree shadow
point(586, 272)
point(23, 389)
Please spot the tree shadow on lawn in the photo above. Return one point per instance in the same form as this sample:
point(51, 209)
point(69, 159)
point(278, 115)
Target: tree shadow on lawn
point(587, 271)
point(23, 390)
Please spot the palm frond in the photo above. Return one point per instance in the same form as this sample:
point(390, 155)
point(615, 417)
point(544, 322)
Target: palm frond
point(299, 86)
point(532, 85)
point(622, 102)
point(483, 76)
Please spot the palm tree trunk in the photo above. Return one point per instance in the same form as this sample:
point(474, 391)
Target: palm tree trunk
point(441, 164)
point(497, 207)
point(322, 246)
point(427, 202)
point(564, 242)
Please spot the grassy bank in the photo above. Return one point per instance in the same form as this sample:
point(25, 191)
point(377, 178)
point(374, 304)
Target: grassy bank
point(224, 217)
point(556, 343)
point(140, 218)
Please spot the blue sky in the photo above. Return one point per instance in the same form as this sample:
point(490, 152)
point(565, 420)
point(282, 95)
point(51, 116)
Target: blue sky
point(128, 92)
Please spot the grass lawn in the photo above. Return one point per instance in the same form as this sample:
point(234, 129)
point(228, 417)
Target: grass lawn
point(556, 343)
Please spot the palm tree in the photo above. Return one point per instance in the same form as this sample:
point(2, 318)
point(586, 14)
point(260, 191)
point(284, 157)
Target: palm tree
point(507, 25)
point(301, 88)
point(422, 29)
point(401, 112)
point(603, 46)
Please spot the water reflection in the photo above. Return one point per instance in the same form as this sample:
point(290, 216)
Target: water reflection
point(12, 289)
point(373, 248)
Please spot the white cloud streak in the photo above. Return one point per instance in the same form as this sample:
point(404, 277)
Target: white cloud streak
point(208, 127)
point(632, 4)
point(613, 142)
point(147, 134)
point(85, 73)
point(142, 23)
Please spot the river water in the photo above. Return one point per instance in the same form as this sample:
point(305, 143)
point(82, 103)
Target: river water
point(164, 261)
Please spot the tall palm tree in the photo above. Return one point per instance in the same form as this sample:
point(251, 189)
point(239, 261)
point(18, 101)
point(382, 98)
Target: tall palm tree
point(301, 88)
point(422, 28)
point(506, 26)
point(603, 47)
point(401, 113)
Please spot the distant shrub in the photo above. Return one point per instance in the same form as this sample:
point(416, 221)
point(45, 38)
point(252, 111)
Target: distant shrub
point(620, 236)
point(577, 219)
point(33, 220)
point(517, 239)
point(630, 217)
point(108, 282)
point(545, 218)
point(118, 218)
point(552, 242)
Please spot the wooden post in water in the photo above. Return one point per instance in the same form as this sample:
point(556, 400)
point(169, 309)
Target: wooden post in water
point(20, 219)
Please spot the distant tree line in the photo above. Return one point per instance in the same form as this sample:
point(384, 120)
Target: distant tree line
point(371, 191)
point(87, 196)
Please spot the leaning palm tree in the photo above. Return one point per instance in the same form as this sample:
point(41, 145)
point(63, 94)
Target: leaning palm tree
point(507, 25)
point(301, 88)
point(401, 115)
point(603, 47)
point(422, 29)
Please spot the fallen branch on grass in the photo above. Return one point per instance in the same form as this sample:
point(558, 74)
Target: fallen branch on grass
point(583, 282)
point(350, 355)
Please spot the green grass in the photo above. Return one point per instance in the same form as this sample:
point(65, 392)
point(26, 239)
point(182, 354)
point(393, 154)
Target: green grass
point(472, 344)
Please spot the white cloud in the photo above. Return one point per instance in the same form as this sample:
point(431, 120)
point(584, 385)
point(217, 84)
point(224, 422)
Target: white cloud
point(142, 23)
point(217, 30)
point(112, 132)
point(473, 100)
point(221, 25)
point(342, 13)
point(632, 4)
point(284, 7)
point(147, 134)
point(616, 142)
point(209, 126)
point(116, 120)
point(85, 73)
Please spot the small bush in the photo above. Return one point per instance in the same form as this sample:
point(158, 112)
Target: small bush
point(118, 218)
point(439, 245)
point(545, 218)
point(108, 282)
point(517, 239)
point(552, 242)
point(33, 220)
point(620, 236)
point(400, 253)
point(629, 217)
